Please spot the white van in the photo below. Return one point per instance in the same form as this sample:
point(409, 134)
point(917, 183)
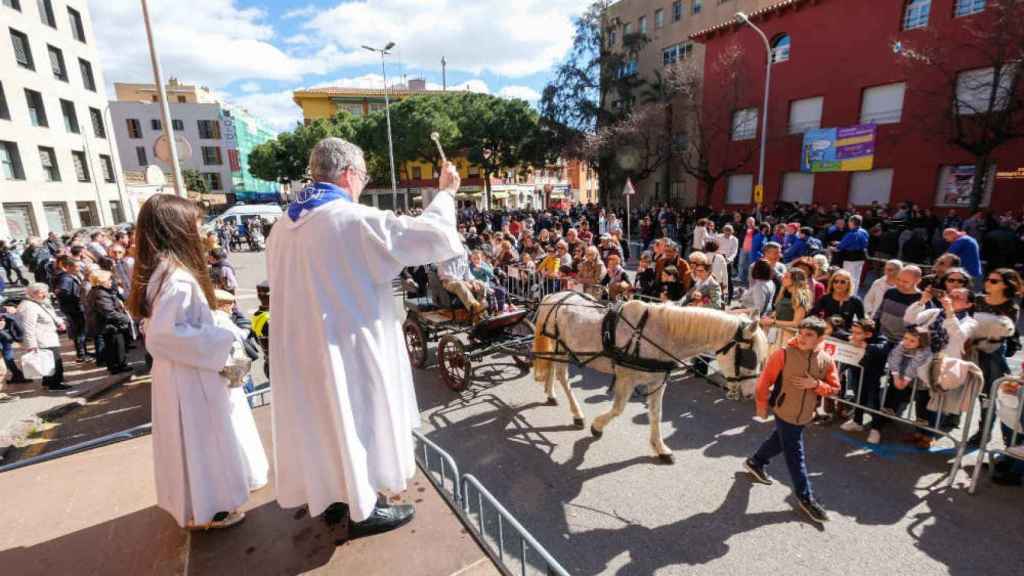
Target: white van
point(241, 212)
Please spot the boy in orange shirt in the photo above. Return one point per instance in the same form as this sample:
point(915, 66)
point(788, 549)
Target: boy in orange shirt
point(793, 379)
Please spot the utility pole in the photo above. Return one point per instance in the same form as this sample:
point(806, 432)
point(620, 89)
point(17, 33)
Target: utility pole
point(444, 74)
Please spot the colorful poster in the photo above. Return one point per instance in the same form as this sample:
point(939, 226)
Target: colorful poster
point(957, 187)
point(849, 149)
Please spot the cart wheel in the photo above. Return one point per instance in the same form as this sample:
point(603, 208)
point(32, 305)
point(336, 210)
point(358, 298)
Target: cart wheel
point(523, 353)
point(455, 364)
point(415, 343)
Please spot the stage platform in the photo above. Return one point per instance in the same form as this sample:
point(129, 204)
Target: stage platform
point(95, 513)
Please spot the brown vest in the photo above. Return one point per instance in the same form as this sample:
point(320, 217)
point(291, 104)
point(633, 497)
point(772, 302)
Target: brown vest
point(791, 404)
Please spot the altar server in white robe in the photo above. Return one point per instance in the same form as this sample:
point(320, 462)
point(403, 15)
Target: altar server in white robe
point(200, 476)
point(344, 405)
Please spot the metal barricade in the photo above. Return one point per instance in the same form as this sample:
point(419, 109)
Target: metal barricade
point(844, 354)
point(447, 469)
point(1014, 449)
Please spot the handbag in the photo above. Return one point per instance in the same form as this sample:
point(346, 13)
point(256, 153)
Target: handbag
point(38, 364)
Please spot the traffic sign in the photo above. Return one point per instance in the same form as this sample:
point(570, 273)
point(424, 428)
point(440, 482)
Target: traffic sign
point(759, 194)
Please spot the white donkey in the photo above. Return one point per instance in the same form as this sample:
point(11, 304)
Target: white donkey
point(572, 327)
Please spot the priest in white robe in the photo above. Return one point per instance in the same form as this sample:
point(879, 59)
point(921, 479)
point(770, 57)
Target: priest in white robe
point(344, 405)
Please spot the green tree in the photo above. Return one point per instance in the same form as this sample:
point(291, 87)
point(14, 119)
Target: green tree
point(285, 159)
point(194, 182)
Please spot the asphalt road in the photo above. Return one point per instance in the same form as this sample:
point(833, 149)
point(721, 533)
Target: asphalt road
point(606, 507)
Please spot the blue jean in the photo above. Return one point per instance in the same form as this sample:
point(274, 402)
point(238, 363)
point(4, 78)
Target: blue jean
point(743, 267)
point(788, 439)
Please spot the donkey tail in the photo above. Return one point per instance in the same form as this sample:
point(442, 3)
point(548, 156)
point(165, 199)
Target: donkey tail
point(543, 348)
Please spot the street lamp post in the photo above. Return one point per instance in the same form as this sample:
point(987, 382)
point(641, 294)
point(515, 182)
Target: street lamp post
point(742, 19)
point(387, 114)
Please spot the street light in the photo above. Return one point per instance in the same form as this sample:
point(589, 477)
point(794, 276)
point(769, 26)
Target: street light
point(742, 19)
point(387, 114)
point(165, 110)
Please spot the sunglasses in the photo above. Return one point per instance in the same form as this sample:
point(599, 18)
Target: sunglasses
point(956, 280)
point(840, 282)
point(994, 280)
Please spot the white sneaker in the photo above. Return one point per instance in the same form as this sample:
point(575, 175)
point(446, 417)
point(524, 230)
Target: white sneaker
point(874, 437)
point(851, 426)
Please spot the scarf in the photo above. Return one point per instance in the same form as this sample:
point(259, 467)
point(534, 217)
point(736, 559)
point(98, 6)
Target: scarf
point(314, 196)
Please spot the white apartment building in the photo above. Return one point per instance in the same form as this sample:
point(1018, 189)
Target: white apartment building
point(58, 163)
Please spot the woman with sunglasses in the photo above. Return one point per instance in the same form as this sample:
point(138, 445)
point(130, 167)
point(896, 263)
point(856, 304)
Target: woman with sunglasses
point(1002, 289)
point(792, 303)
point(840, 300)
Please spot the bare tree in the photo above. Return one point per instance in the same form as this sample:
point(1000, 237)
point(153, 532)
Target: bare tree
point(702, 145)
point(981, 109)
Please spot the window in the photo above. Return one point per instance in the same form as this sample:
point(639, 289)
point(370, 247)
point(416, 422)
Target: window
point(805, 114)
point(178, 125)
point(56, 214)
point(697, 5)
point(155, 98)
point(780, 48)
point(67, 108)
point(956, 184)
point(116, 211)
point(182, 100)
point(46, 13)
point(13, 4)
point(677, 11)
point(60, 71)
point(744, 124)
point(5, 112)
point(659, 18)
point(87, 213)
point(77, 30)
point(977, 92)
point(627, 29)
point(10, 162)
point(98, 129)
point(88, 80)
point(81, 166)
point(140, 155)
point(740, 189)
point(48, 158)
point(156, 124)
point(212, 181)
point(643, 25)
point(134, 128)
point(968, 7)
point(212, 156)
point(676, 52)
point(209, 129)
point(22, 50)
point(20, 221)
point(612, 37)
point(36, 109)
point(629, 68)
point(798, 187)
point(915, 15)
point(107, 165)
point(873, 186)
point(417, 173)
point(882, 104)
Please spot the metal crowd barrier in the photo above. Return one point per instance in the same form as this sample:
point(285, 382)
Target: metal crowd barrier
point(991, 405)
point(845, 355)
point(491, 518)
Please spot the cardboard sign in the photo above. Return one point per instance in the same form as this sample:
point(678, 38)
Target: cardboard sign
point(843, 352)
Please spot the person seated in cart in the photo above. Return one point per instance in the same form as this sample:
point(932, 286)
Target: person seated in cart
point(457, 279)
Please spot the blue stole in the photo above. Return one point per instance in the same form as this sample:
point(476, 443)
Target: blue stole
point(314, 196)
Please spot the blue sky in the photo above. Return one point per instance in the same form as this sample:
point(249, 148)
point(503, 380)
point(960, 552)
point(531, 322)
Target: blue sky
point(255, 53)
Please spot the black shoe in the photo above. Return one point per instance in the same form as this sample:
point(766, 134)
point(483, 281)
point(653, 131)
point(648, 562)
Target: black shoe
point(58, 387)
point(757, 472)
point(813, 510)
point(974, 441)
point(382, 520)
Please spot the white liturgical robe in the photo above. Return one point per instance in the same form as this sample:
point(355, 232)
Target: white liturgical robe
point(198, 461)
point(343, 404)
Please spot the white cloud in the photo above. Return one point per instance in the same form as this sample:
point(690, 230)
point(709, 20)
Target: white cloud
point(215, 41)
point(521, 92)
point(276, 108)
point(509, 38)
point(250, 87)
point(304, 12)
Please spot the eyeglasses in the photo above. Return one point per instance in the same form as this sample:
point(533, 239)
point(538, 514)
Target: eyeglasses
point(956, 280)
point(843, 282)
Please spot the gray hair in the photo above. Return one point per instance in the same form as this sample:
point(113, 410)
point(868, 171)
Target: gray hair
point(331, 157)
point(895, 262)
point(37, 288)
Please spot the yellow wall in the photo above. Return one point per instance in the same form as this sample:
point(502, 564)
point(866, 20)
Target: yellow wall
point(316, 108)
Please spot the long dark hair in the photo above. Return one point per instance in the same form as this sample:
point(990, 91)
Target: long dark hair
point(167, 229)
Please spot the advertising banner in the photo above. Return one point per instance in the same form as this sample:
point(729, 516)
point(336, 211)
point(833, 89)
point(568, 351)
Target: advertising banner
point(955, 189)
point(849, 149)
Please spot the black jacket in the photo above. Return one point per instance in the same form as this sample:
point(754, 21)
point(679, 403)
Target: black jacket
point(68, 289)
point(875, 357)
point(107, 310)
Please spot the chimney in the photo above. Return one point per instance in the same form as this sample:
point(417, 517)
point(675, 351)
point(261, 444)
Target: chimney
point(417, 84)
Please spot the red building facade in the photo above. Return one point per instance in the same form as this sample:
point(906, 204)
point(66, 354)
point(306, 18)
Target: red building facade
point(840, 68)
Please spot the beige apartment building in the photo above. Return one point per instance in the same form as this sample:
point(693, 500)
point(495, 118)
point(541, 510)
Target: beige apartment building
point(669, 24)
